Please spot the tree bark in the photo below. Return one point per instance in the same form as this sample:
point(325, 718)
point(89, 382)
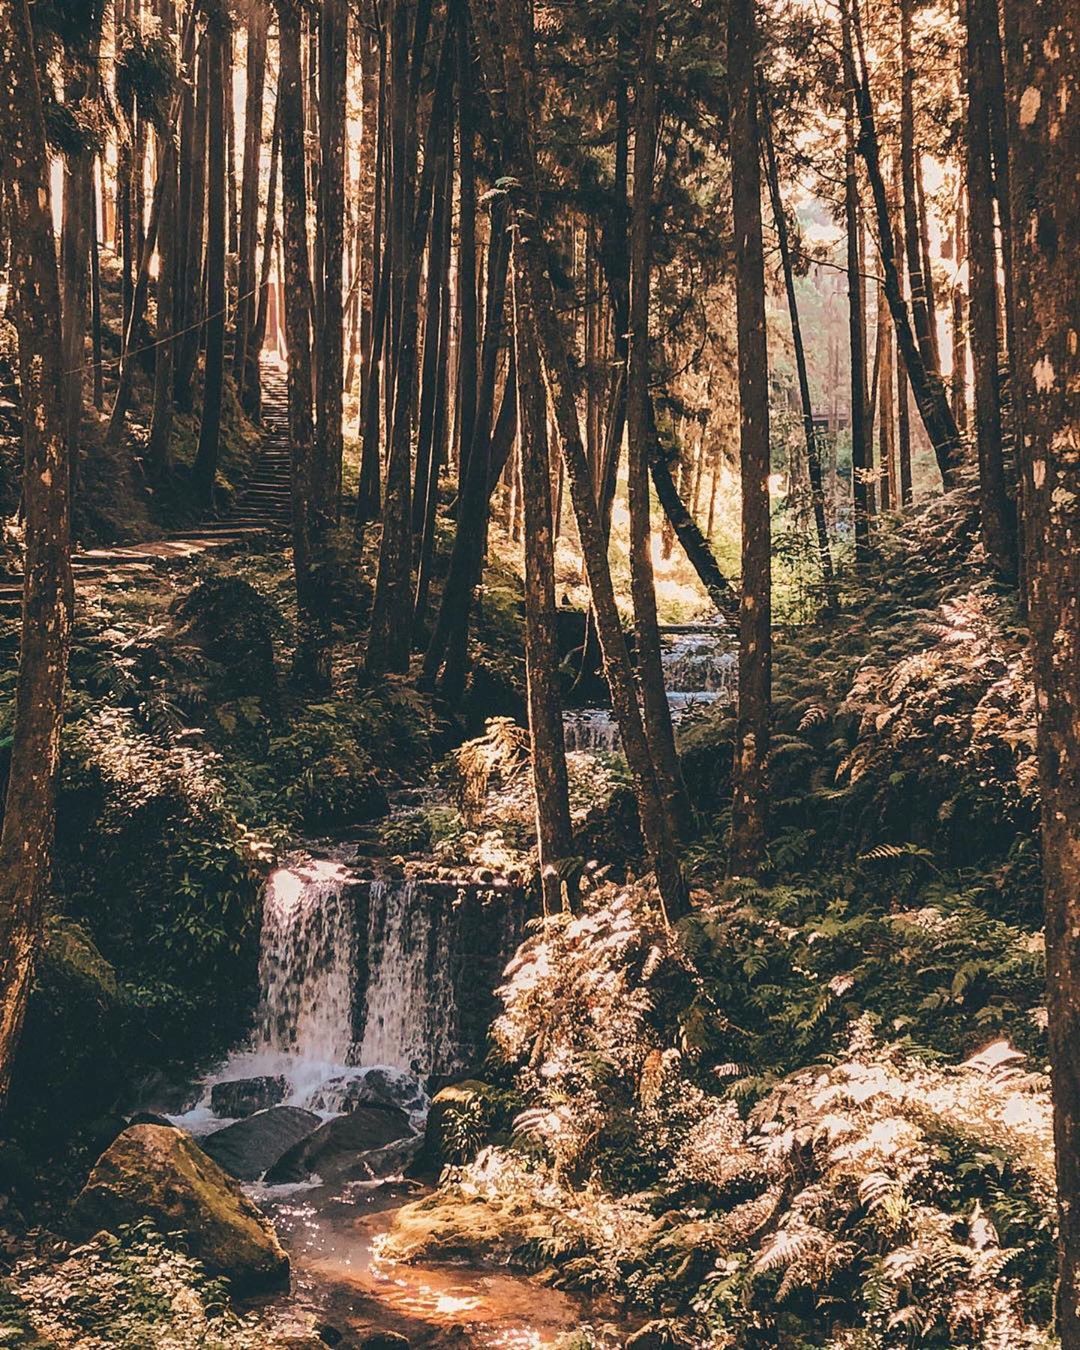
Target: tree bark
point(333, 63)
point(750, 803)
point(204, 470)
point(26, 838)
point(245, 370)
point(657, 713)
point(1043, 64)
point(860, 488)
point(918, 282)
point(553, 831)
point(258, 332)
point(929, 394)
point(996, 520)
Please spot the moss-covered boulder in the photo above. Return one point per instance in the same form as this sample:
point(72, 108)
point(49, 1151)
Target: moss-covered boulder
point(158, 1173)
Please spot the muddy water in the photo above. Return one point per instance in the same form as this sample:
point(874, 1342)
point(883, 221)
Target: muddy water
point(333, 1241)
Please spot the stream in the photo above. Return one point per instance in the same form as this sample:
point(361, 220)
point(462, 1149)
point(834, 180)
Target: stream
point(375, 989)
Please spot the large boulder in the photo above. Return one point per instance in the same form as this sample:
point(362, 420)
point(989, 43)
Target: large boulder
point(244, 1096)
point(335, 1151)
point(250, 1147)
point(158, 1173)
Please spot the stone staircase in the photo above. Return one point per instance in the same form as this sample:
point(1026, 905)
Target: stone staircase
point(263, 510)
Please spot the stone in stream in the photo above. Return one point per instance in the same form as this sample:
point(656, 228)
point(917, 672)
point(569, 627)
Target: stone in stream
point(334, 1151)
point(159, 1173)
point(377, 1087)
point(244, 1096)
point(250, 1147)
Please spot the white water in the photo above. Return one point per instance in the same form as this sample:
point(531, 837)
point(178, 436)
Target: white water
point(313, 990)
point(700, 669)
point(307, 963)
point(410, 1004)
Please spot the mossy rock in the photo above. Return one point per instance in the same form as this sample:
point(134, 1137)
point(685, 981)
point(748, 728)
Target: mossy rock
point(447, 1225)
point(157, 1173)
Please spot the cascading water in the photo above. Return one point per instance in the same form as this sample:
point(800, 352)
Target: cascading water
point(409, 1003)
point(307, 963)
point(700, 669)
point(358, 974)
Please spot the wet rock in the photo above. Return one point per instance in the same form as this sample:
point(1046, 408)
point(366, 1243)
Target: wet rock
point(244, 1096)
point(377, 1087)
point(250, 1147)
point(381, 1340)
point(333, 1151)
point(158, 1173)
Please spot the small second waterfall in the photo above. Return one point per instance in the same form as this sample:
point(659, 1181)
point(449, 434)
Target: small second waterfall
point(700, 669)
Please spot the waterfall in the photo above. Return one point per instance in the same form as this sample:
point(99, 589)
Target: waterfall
point(700, 669)
point(307, 963)
point(410, 1000)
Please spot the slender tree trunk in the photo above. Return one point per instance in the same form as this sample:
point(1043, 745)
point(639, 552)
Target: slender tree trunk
point(856, 323)
point(928, 391)
point(886, 425)
point(996, 519)
point(258, 332)
point(312, 665)
point(918, 282)
point(333, 62)
point(95, 296)
point(958, 377)
point(553, 832)
point(158, 451)
point(468, 318)
point(390, 639)
point(1043, 62)
point(750, 805)
point(204, 470)
point(192, 209)
point(513, 120)
point(245, 372)
point(26, 838)
point(813, 450)
point(657, 713)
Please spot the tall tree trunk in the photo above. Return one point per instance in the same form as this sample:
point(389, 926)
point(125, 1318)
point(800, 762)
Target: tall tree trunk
point(929, 394)
point(333, 62)
point(657, 713)
point(204, 469)
point(258, 332)
point(246, 371)
point(26, 837)
point(856, 320)
point(1043, 62)
point(390, 639)
point(813, 450)
point(95, 295)
point(918, 282)
point(509, 86)
point(312, 665)
point(187, 304)
point(887, 479)
point(997, 528)
point(468, 318)
point(553, 831)
point(958, 376)
point(750, 804)
point(158, 451)
point(369, 490)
